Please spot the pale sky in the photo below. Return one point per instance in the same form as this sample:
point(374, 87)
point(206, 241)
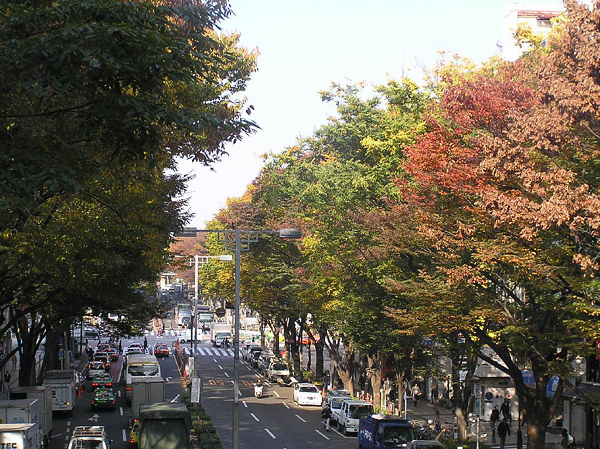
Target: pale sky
point(305, 45)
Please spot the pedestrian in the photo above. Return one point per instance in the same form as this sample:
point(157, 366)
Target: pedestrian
point(434, 394)
point(416, 394)
point(7, 377)
point(120, 347)
point(494, 418)
point(565, 441)
point(326, 416)
point(505, 410)
point(362, 381)
point(503, 431)
point(145, 344)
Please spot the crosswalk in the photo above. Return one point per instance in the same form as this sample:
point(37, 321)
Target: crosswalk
point(215, 351)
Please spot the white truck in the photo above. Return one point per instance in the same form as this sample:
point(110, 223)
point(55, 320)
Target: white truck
point(21, 411)
point(63, 386)
point(219, 328)
point(44, 397)
point(146, 391)
point(20, 436)
point(351, 412)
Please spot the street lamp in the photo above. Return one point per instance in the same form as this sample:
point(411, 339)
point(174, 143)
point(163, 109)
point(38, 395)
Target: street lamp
point(240, 240)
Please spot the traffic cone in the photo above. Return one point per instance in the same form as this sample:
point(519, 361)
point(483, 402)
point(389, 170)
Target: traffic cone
point(80, 391)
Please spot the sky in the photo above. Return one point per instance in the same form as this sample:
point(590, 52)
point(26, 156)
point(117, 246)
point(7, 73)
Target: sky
point(306, 45)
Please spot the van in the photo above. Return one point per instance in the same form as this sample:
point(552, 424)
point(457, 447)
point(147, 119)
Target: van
point(351, 412)
point(277, 368)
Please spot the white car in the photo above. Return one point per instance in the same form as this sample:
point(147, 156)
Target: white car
point(307, 394)
point(95, 368)
point(89, 437)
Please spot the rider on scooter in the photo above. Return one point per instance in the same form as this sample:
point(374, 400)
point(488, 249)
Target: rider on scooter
point(258, 389)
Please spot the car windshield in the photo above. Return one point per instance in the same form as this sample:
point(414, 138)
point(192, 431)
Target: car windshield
point(143, 370)
point(310, 389)
point(359, 411)
point(223, 335)
point(164, 434)
point(279, 367)
point(392, 436)
point(96, 365)
point(87, 444)
point(336, 402)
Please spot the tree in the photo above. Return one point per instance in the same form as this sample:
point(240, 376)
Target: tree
point(503, 187)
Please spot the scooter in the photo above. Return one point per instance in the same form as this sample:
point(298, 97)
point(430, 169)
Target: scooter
point(258, 391)
point(287, 381)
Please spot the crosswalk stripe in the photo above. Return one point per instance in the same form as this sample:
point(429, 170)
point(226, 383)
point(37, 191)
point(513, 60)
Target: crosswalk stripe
point(201, 351)
point(230, 351)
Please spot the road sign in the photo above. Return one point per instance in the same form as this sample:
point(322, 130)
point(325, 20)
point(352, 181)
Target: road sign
point(196, 387)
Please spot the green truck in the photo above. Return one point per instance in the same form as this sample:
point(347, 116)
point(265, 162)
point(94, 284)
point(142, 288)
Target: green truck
point(165, 425)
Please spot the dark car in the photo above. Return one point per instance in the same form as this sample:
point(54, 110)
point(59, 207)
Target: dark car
point(102, 381)
point(113, 354)
point(104, 398)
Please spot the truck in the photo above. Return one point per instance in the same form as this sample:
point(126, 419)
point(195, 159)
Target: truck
point(352, 410)
point(140, 366)
point(218, 327)
point(44, 397)
point(165, 425)
point(20, 436)
point(381, 431)
point(146, 391)
point(89, 437)
point(63, 386)
point(21, 411)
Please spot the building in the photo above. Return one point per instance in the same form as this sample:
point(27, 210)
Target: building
point(539, 20)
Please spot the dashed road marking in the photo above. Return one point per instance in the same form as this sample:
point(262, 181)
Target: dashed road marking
point(269, 432)
point(124, 435)
point(225, 372)
point(324, 436)
point(121, 410)
point(254, 416)
point(276, 394)
point(286, 406)
point(300, 418)
point(245, 405)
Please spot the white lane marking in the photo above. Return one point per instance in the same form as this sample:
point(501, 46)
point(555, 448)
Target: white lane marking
point(324, 436)
point(254, 416)
point(269, 432)
point(258, 375)
point(66, 437)
point(230, 352)
point(267, 384)
point(245, 405)
point(226, 373)
point(201, 351)
point(124, 435)
point(300, 418)
point(176, 398)
point(286, 406)
point(248, 368)
point(119, 393)
point(59, 435)
point(121, 410)
point(215, 360)
point(68, 423)
point(340, 434)
point(276, 394)
point(220, 367)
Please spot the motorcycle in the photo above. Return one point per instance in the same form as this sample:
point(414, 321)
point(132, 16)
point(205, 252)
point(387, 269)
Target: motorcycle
point(286, 381)
point(258, 391)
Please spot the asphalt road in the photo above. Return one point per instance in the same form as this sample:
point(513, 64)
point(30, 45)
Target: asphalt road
point(116, 423)
point(273, 421)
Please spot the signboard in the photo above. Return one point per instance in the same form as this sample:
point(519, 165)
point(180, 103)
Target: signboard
point(196, 389)
point(477, 394)
point(61, 354)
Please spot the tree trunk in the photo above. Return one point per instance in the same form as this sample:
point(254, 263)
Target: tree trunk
point(344, 365)
point(375, 376)
point(400, 381)
point(319, 346)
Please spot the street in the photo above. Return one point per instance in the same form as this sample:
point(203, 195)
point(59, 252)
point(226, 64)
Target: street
point(116, 423)
point(273, 421)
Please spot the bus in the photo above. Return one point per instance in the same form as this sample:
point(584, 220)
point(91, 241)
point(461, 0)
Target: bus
point(139, 366)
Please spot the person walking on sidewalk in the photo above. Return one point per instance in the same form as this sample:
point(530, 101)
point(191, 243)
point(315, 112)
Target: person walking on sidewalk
point(494, 418)
point(565, 440)
point(505, 410)
point(325, 417)
point(416, 394)
point(7, 377)
point(503, 431)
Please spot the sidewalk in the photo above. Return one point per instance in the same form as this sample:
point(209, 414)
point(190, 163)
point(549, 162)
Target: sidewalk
point(425, 411)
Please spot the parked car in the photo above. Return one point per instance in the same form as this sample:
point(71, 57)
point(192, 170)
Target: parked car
point(351, 412)
point(263, 361)
point(254, 356)
point(161, 350)
point(248, 355)
point(307, 394)
point(277, 368)
point(335, 399)
point(104, 398)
